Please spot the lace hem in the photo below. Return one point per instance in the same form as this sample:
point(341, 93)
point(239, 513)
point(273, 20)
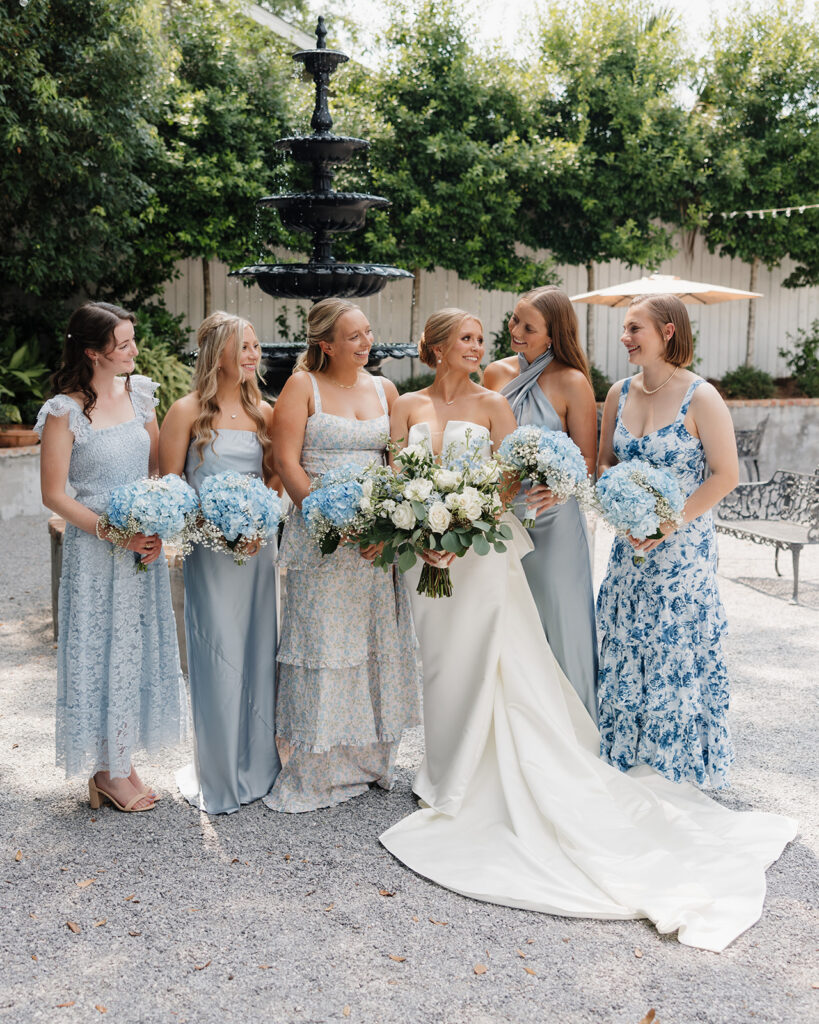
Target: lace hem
point(298, 742)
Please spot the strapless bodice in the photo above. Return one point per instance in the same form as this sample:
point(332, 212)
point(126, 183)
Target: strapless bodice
point(459, 437)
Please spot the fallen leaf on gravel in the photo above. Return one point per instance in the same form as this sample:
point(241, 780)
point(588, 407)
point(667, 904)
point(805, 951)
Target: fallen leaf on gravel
point(34, 916)
point(63, 869)
point(100, 1007)
point(73, 927)
point(134, 934)
point(815, 984)
point(265, 967)
point(201, 967)
point(86, 883)
point(309, 892)
point(346, 1011)
point(397, 959)
point(480, 968)
point(287, 856)
point(127, 898)
point(638, 953)
point(529, 942)
point(19, 855)
point(193, 910)
point(433, 921)
point(235, 860)
point(33, 956)
point(101, 922)
point(521, 954)
point(565, 940)
point(14, 746)
point(649, 1017)
point(385, 892)
point(415, 917)
point(530, 971)
point(61, 1005)
point(326, 909)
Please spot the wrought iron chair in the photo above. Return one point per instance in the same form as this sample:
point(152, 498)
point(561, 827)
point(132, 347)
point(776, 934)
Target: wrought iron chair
point(749, 443)
point(782, 512)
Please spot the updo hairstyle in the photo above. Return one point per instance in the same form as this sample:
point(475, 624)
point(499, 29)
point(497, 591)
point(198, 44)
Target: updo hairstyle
point(437, 332)
point(321, 325)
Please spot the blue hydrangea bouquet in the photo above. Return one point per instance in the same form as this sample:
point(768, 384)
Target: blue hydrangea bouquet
point(165, 506)
point(236, 509)
point(635, 497)
point(333, 509)
point(550, 458)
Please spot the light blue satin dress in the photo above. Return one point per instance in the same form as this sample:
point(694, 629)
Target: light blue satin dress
point(559, 569)
point(230, 630)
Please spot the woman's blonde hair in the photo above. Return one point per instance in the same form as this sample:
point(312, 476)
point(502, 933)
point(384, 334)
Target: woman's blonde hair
point(213, 335)
point(668, 309)
point(321, 325)
point(438, 330)
point(558, 312)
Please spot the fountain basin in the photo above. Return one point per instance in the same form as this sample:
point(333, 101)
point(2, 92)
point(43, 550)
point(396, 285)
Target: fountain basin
point(321, 280)
point(324, 212)
point(326, 149)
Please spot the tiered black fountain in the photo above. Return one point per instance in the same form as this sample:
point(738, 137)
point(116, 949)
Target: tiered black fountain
point(323, 213)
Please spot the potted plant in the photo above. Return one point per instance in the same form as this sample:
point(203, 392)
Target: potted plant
point(23, 384)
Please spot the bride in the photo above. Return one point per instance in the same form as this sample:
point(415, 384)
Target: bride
point(517, 806)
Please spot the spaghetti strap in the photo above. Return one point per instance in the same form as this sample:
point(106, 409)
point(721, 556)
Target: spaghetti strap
point(379, 387)
point(688, 396)
point(621, 400)
point(316, 395)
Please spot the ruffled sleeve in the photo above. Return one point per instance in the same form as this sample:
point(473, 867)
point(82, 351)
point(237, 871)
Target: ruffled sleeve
point(143, 395)
point(63, 405)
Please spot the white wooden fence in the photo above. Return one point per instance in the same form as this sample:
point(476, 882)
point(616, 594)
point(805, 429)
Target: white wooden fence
point(722, 328)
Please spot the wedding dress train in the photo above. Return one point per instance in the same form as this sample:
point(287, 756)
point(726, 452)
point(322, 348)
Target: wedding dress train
point(522, 810)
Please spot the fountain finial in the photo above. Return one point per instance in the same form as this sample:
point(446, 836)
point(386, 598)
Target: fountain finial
point(321, 35)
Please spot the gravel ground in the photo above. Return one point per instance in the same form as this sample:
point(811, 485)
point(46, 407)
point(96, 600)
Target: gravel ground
point(259, 917)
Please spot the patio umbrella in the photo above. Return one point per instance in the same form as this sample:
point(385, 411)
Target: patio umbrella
point(694, 292)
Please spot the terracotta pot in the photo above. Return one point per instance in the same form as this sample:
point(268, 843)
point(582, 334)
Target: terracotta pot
point(13, 436)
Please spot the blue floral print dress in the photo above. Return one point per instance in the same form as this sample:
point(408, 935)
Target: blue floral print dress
point(348, 677)
point(663, 685)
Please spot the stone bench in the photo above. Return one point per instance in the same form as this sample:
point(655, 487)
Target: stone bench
point(56, 530)
point(782, 512)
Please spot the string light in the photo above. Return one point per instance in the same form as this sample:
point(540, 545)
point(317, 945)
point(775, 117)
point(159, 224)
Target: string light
point(750, 214)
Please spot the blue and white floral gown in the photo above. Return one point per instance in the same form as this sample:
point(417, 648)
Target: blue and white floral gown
point(663, 685)
point(348, 678)
point(119, 684)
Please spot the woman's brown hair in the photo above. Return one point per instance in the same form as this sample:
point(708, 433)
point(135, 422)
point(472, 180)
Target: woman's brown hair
point(558, 312)
point(213, 335)
point(669, 309)
point(91, 326)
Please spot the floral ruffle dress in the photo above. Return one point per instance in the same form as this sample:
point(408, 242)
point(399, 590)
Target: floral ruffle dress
point(663, 684)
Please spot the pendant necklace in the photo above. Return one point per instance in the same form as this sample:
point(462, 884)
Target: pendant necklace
point(347, 387)
point(653, 391)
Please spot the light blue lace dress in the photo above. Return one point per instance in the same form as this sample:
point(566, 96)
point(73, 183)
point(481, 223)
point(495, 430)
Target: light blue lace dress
point(119, 685)
point(348, 681)
point(663, 685)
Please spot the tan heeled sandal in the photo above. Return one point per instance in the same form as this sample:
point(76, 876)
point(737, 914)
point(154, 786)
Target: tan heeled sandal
point(97, 795)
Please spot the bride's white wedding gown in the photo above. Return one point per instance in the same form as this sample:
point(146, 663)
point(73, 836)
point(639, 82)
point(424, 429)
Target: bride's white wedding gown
point(522, 810)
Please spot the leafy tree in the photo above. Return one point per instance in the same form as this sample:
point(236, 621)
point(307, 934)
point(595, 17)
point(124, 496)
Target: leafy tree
point(225, 105)
point(759, 116)
point(445, 127)
point(608, 80)
point(78, 151)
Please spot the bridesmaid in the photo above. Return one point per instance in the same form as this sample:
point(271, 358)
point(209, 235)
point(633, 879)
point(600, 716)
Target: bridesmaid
point(663, 680)
point(119, 685)
point(547, 383)
point(230, 610)
point(348, 682)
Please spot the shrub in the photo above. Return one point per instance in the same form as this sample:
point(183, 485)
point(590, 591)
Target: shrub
point(161, 340)
point(802, 358)
point(23, 380)
point(600, 383)
point(500, 346)
point(747, 382)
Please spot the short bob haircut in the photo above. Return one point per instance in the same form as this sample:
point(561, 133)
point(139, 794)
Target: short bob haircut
point(668, 309)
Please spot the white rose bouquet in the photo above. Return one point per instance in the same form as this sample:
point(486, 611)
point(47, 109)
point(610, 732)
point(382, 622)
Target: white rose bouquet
point(449, 504)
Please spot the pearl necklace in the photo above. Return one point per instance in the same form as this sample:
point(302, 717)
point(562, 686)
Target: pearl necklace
point(653, 391)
